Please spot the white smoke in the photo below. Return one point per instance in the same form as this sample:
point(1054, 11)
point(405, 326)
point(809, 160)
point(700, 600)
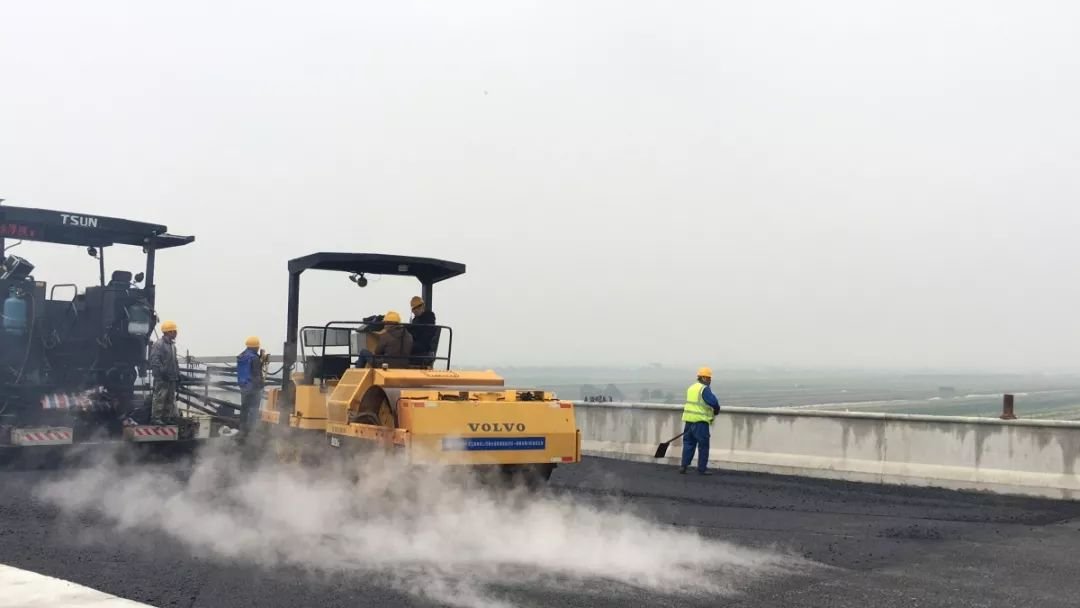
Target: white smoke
point(437, 533)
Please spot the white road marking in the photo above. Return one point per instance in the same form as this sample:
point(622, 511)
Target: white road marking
point(22, 589)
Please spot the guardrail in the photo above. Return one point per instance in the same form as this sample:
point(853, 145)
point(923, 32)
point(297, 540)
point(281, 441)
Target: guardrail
point(1026, 457)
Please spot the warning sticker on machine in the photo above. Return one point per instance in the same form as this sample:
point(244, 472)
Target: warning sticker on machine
point(472, 444)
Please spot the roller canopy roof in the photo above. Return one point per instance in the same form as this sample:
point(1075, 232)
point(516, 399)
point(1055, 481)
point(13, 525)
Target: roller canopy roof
point(427, 270)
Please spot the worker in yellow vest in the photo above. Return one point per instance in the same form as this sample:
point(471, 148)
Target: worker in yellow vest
point(700, 409)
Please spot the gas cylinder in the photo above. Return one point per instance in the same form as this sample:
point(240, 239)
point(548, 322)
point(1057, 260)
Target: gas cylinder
point(15, 314)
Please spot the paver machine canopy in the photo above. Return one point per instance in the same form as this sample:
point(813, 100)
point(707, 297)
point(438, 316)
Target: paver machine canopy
point(90, 231)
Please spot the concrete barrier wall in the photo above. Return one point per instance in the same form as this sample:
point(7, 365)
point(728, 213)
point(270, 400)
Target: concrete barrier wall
point(1027, 457)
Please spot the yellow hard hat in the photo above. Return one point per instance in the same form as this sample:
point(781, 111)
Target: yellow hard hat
point(415, 301)
point(167, 326)
point(391, 317)
point(704, 372)
point(252, 342)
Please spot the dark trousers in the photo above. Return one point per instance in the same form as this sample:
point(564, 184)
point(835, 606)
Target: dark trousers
point(696, 437)
point(364, 358)
point(250, 400)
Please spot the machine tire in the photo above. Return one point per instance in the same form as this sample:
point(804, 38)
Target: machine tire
point(532, 476)
point(376, 402)
point(366, 418)
point(541, 473)
point(286, 452)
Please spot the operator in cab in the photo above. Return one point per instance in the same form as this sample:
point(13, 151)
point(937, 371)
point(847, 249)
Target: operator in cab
point(395, 343)
point(423, 332)
point(249, 377)
point(699, 411)
point(166, 370)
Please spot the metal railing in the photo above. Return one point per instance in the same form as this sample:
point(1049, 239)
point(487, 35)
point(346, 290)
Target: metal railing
point(369, 326)
point(198, 380)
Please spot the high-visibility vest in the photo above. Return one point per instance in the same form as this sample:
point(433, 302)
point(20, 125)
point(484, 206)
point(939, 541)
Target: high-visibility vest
point(695, 409)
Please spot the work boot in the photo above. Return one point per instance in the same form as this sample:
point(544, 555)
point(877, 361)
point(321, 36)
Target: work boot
point(705, 472)
point(682, 470)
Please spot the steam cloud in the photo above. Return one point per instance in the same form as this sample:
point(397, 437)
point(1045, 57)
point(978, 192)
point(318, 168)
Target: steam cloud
point(440, 535)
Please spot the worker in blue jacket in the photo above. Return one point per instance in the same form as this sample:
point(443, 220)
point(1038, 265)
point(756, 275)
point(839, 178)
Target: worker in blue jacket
point(249, 378)
point(699, 411)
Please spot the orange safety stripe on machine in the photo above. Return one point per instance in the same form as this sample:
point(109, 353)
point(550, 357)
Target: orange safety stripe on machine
point(46, 436)
point(154, 431)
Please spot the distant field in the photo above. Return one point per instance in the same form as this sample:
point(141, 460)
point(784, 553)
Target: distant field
point(1037, 395)
point(1043, 396)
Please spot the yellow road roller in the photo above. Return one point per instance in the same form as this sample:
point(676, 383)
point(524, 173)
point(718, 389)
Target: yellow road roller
point(381, 381)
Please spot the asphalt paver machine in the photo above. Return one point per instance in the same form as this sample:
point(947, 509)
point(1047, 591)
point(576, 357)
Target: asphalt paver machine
point(73, 361)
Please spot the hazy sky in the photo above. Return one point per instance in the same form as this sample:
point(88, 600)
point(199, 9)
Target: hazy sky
point(732, 183)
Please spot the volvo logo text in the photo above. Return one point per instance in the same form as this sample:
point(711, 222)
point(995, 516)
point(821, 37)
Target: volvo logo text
point(85, 221)
point(497, 427)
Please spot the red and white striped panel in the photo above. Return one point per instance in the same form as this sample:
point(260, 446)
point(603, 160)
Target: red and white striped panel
point(151, 433)
point(41, 436)
point(55, 402)
point(64, 401)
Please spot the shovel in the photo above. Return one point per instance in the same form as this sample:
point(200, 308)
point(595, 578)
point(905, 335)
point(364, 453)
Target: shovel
point(661, 450)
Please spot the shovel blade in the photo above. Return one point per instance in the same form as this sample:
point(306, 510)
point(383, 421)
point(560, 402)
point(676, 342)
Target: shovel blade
point(661, 450)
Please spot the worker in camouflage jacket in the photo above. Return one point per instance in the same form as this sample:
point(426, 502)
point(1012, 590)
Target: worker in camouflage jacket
point(166, 370)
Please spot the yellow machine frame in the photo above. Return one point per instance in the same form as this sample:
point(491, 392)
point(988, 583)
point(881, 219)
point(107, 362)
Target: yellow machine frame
point(425, 413)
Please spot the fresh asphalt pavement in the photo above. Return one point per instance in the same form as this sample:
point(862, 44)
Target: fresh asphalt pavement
point(866, 545)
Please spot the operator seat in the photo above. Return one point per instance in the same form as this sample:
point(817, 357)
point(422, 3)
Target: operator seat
point(427, 360)
point(121, 279)
point(326, 367)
